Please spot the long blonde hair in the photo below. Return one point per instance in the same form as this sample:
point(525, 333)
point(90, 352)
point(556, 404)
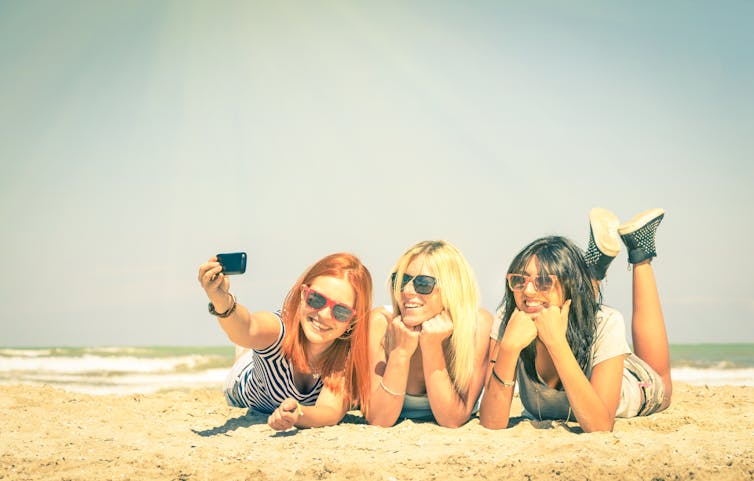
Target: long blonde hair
point(460, 299)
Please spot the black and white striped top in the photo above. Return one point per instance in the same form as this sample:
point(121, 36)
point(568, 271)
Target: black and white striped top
point(266, 379)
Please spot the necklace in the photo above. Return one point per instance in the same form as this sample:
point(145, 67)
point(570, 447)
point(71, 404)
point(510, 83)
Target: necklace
point(315, 373)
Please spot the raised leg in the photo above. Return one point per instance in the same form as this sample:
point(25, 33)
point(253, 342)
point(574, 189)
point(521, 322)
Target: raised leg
point(648, 325)
point(647, 322)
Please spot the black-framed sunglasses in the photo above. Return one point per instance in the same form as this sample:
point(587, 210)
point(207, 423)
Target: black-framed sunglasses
point(422, 284)
point(542, 283)
point(317, 301)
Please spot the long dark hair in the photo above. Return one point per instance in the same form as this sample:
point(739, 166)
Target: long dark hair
point(559, 256)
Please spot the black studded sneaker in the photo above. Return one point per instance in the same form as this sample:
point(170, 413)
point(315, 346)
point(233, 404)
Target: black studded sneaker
point(603, 241)
point(639, 235)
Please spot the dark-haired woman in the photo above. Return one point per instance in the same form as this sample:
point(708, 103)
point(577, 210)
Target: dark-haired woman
point(566, 350)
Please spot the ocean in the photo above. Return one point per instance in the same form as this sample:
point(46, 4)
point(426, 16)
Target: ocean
point(126, 370)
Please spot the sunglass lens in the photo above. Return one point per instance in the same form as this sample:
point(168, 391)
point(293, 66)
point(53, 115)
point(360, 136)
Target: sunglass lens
point(516, 282)
point(543, 283)
point(424, 284)
point(315, 300)
point(342, 313)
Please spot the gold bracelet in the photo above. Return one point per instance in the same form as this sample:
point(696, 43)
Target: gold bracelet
point(498, 379)
point(393, 393)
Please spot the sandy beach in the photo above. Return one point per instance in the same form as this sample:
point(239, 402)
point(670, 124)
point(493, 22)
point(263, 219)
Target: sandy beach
point(50, 434)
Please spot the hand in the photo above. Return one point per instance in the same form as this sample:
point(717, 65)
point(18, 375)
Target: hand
point(552, 323)
point(403, 339)
point(519, 332)
point(285, 416)
point(436, 330)
point(215, 284)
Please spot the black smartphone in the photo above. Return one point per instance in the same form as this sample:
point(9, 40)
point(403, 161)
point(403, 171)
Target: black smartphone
point(233, 263)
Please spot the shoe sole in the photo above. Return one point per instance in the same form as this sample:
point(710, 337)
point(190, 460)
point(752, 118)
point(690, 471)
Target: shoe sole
point(640, 220)
point(604, 225)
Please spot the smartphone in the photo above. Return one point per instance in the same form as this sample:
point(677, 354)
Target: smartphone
point(233, 263)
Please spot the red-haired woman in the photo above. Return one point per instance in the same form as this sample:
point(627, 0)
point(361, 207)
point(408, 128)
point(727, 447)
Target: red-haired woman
point(306, 365)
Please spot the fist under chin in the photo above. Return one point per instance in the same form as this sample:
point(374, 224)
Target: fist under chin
point(413, 321)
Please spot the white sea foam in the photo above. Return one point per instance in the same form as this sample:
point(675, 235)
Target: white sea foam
point(25, 352)
point(132, 370)
point(713, 377)
point(94, 364)
point(123, 384)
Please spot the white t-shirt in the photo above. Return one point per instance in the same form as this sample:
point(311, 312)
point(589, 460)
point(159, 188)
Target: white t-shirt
point(609, 341)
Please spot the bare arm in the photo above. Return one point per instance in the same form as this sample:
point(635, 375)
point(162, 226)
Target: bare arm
point(254, 330)
point(385, 403)
point(327, 411)
point(594, 402)
point(448, 406)
point(495, 410)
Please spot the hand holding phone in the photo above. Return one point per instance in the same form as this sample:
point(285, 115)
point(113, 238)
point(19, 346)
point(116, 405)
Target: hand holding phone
point(233, 263)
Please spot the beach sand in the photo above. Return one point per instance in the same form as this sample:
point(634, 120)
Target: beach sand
point(50, 434)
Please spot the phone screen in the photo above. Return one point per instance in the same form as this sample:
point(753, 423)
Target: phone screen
point(233, 263)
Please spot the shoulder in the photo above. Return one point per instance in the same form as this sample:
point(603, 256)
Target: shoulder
point(379, 318)
point(484, 322)
point(497, 323)
point(266, 328)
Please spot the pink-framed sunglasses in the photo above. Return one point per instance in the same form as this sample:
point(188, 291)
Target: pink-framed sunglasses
point(542, 283)
point(318, 301)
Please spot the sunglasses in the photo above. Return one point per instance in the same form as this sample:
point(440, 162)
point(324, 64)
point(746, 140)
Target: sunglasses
point(317, 301)
point(542, 283)
point(422, 284)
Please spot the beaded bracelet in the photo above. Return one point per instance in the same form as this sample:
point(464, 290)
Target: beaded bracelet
point(382, 385)
point(225, 314)
point(498, 379)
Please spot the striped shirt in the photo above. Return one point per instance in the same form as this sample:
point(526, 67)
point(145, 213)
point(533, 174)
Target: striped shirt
point(263, 379)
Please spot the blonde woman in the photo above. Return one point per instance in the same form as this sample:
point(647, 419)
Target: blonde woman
point(428, 356)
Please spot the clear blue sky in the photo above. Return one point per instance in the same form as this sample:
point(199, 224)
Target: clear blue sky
point(139, 138)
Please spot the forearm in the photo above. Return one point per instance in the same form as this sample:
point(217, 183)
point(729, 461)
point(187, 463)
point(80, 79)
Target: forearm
point(318, 416)
point(237, 326)
point(495, 409)
point(389, 391)
point(590, 411)
point(448, 407)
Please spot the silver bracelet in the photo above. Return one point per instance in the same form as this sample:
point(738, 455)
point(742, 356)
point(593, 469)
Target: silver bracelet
point(382, 385)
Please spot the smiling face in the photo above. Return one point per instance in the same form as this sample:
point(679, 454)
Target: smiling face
point(319, 326)
point(530, 300)
point(416, 308)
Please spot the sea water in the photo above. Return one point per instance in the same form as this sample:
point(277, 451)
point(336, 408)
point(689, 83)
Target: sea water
point(124, 370)
point(117, 370)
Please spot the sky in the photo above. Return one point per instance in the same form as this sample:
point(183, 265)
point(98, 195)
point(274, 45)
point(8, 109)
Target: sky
point(140, 138)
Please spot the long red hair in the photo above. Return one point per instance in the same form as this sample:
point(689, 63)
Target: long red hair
point(346, 365)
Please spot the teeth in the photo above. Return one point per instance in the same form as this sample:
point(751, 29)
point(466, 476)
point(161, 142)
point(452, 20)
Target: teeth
point(411, 305)
point(317, 325)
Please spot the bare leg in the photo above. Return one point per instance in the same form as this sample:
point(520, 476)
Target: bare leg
point(648, 325)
